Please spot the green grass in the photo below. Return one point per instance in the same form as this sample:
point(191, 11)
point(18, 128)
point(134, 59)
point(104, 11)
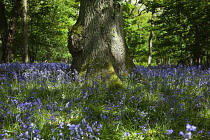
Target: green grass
point(169, 98)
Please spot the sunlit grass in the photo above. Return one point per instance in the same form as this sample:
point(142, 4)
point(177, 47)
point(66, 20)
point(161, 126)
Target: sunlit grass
point(43, 102)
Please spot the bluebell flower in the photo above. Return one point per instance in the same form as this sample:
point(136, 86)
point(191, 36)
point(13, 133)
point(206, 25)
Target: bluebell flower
point(3, 134)
point(99, 126)
point(201, 131)
point(89, 129)
point(27, 134)
point(36, 131)
point(61, 134)
point(181, 133)
point(84, 122)
point(32, 125)
point(170, 131)
point(188, 135)
point(61, 124)
point(52, 129)
point(190, 127)
point(126, 134)
point(21, 135)
point(82, 132)
point(91, 137)
point(71, 128)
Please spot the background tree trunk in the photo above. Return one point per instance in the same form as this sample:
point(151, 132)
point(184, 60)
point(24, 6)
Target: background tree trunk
point(96, 41)
point(7, 30)
point(4, 33)
point(150, 39)
point(25, 32)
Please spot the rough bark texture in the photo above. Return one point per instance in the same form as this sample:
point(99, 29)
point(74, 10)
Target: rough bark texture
point(7, 30)
point(96, 41)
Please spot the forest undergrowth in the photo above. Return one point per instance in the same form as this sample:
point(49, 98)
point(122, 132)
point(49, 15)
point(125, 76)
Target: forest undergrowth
point(43, 101)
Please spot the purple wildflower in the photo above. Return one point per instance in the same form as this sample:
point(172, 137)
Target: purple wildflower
point(126, 134)
point(181, 133)
point(170, 131)
point(188, 135)
point(27, 134)
point(190, 127)
point(61, 124)
point(89, 129)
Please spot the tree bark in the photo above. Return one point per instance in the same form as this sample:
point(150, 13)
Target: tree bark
point(7, 30)
point(96, 41)
point(25, 32)
point(3, 31)
point(150, 39)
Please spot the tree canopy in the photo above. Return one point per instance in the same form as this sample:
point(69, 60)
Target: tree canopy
point(181, 30)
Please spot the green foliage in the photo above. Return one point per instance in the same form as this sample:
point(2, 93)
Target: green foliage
point(48, 23)
point(181, 30)
point(136, 31)
point(179, 34)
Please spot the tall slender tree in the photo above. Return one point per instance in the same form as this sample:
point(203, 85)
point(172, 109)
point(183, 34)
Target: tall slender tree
point(25, 32)
point(151, 38)
point(97, 42)
point(7, 29)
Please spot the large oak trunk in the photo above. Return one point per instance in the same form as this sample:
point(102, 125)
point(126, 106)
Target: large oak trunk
point(96, 41)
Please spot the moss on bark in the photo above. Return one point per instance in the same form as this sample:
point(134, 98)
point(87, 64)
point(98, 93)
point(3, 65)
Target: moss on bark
point(100, 74)
point(97, 44)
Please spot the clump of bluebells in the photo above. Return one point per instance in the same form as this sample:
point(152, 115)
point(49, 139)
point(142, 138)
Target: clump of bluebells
point(83, 130)
point(188, 134)
point(48, 101)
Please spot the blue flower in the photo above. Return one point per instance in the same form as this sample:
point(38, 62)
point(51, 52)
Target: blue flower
point(89, 129)
point(27, 134)
point(36, 131)
point(201, 131)
point(2, 135)
point(99, 126)
point(170, 131)
point(190, 127)
point(126, 134)
point(61, 124)
point(84, 122)
point(188, 135)
point(61, 134)
point(181, 133)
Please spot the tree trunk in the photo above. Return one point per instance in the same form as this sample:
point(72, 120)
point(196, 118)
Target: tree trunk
point(7, 31)
point(4, 33)
point(150, 39)
point(25, 32)
point(96, 41)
